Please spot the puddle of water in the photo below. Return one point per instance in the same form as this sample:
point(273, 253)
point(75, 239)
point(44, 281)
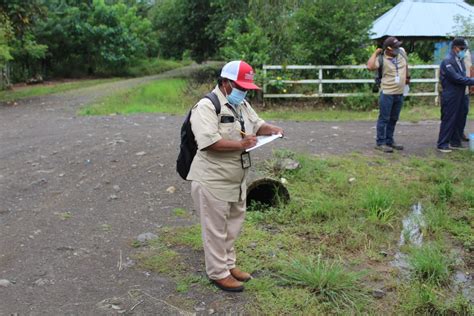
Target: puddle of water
point(412, 227)
point(465, 283)
point(412, 234)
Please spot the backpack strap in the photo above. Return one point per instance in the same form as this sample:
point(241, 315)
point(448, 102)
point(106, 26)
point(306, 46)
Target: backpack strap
point(380, 58)
point(215, 101)
point(380, 69)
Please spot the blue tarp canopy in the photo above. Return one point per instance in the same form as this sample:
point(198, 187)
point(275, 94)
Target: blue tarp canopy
point(423, 18)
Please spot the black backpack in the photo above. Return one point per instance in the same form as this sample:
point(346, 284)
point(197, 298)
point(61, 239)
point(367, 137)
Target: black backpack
point(188, 146)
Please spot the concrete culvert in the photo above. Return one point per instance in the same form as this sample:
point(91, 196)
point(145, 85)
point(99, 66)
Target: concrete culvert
point(267, 191)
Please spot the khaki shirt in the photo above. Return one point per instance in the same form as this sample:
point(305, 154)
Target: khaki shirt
point(389, 72)
point(220, 172)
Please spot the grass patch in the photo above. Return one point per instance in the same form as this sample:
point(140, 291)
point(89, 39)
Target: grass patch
point(189, 236)
point(163, 96)
point(349, 211)
point(330, 281)
point(38, 90)
point(431, 264)
point(410, 114)
point(181, 212)
point(427, 299)
point(147, 67)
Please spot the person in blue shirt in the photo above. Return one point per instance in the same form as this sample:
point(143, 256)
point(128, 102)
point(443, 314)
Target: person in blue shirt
point(453, 81)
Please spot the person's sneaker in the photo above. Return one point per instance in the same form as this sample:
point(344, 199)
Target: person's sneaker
point(444, 150)
point(395, 146)
point(464, 138)
point(240, 275)
point(457, 147)
point(384, 148)
point(229, 284)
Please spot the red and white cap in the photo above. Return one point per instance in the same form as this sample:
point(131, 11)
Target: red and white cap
point(241, 73)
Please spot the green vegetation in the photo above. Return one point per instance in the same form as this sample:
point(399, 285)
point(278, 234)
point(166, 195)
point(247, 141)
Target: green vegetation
point(58, 38)
point(326, 250)
point(165, 96)
point(176, 96)
point(430, 263)
point(329, 280)
point(153, 66)
point(37, 90)
point(180, 212)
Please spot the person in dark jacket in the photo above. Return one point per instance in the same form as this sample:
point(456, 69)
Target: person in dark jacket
point(453, 81)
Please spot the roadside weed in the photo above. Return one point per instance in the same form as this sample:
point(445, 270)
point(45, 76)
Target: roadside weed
point(327, 280)
point(183, 236)
point(379, 204)
point(430, 263)
point(181, 212)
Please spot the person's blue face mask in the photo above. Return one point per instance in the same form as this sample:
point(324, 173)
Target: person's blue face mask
point(461, 54)
point(236, 97)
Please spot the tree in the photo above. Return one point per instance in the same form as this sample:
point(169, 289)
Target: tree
point(247, 41)
point(95, 38)
point(5, 37)
point(333, 32)
point(25, 50)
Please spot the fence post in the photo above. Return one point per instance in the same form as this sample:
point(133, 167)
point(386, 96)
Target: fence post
point(320, 90)
point(264, 85)
point(264, 79)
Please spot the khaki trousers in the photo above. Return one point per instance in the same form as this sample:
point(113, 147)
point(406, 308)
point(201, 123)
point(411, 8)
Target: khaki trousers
point(221, 223)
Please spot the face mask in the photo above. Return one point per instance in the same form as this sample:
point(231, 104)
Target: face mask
point(461, 54)
point(236, 97)
point(396, 51)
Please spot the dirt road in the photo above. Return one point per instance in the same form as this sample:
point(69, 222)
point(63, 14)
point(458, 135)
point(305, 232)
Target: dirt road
point(76, 191)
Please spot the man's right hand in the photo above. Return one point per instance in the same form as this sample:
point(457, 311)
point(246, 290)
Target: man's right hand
point(248, 141)
point(378, 51)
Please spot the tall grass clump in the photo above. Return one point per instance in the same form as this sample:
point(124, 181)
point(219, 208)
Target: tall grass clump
point(445, 191)
point(420, 299)
point(436, 218)
point(378, 203)
point(327, 280)
point(430, 263)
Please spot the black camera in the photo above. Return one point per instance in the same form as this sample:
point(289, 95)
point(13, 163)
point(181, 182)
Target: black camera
point(376, 86)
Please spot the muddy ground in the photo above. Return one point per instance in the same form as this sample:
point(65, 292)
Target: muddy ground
point(76, 191)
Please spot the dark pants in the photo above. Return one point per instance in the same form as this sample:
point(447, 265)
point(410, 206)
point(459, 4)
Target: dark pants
point(465, 112)
point(390, 106)
point(452, 112)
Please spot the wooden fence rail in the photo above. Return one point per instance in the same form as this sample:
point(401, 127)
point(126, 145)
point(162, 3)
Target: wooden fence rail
point(319, 92)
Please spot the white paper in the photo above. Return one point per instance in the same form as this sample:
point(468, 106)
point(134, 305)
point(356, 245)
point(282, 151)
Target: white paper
point(262, 140)
point(406, 90)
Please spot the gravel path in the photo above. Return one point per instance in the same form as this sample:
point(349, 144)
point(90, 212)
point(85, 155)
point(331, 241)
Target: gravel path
point(76, 191)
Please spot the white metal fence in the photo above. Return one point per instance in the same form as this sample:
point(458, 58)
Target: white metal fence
point(320, 81)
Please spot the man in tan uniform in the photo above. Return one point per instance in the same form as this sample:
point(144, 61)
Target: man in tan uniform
point(394, 78)
point(219, 170)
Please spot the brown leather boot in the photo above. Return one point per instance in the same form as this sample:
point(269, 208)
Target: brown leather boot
point(229, 284)
point(240, 275)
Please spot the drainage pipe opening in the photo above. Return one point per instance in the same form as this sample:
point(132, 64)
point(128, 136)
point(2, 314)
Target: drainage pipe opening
point(268, 192)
